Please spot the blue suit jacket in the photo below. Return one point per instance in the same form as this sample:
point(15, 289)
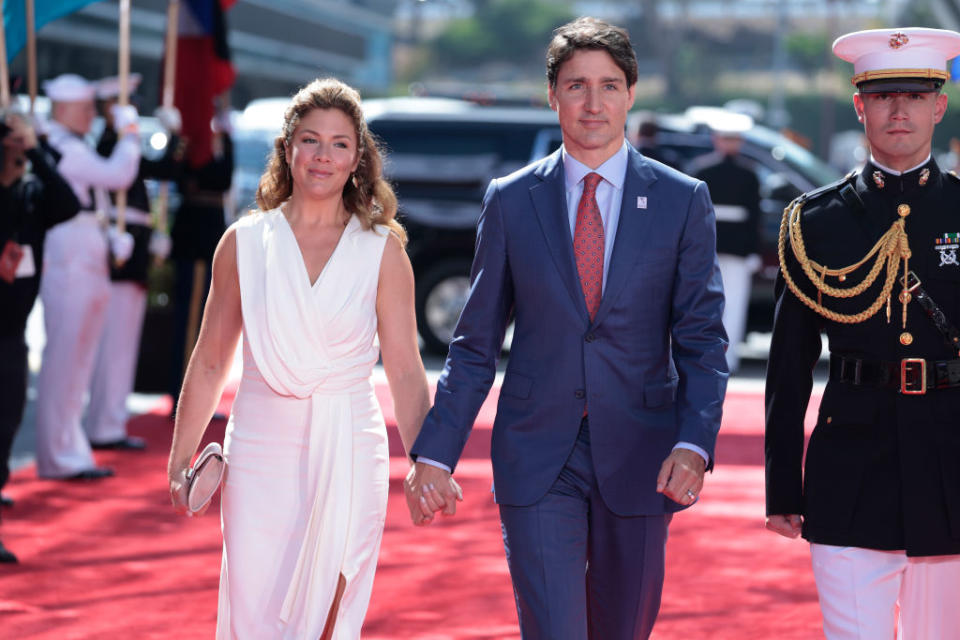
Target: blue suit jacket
point(651, 365)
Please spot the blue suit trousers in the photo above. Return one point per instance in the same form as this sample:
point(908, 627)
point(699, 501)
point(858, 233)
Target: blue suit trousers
point(579, 570)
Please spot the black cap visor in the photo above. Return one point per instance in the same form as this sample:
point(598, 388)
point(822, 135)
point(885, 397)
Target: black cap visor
point(901, 85)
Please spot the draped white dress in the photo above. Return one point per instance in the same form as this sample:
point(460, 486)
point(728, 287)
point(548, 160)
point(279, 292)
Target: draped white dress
point(305, 496)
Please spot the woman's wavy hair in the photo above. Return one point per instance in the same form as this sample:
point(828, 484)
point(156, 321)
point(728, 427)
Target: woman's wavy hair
point(367, 194)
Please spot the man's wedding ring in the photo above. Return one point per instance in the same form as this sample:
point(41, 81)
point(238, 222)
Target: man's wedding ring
point(691, 494)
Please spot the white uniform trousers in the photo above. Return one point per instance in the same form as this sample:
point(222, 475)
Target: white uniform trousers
point(737, 272)
point(116, 364)
point(74, 289)
point(860, 590)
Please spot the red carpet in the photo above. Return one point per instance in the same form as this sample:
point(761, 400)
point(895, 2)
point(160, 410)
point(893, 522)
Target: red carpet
point(111, 560)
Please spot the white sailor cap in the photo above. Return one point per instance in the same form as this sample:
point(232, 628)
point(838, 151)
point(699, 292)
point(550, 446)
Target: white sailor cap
point(108, 88)
point(69, 87)
point(898, 60)
point(722, 122)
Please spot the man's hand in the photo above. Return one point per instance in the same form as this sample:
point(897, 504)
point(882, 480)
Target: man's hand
point(785, 525)
point(121, 244)
point(21, 135)
point(429, 489)
point(126, 120)
point(169, 118)
point(681, 476)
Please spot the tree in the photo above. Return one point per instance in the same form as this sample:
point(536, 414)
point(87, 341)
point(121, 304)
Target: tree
point(515, 31)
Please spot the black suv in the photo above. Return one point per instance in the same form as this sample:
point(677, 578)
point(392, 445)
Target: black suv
point(441, 154)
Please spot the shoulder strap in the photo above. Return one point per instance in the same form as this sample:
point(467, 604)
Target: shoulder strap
point(950, 333)
point(852, 199)
point(846, 181)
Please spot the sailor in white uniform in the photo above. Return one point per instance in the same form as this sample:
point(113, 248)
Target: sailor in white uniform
point(116, 362)
point(75, 287)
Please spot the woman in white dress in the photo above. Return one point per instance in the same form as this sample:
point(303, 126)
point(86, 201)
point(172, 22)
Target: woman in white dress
point(312, 279)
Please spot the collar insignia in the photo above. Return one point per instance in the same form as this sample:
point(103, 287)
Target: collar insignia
point(924, 176)
point(878, 179)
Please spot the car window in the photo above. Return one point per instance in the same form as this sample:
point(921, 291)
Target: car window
point(450, 161)
point(251, 149)
point(818, 172)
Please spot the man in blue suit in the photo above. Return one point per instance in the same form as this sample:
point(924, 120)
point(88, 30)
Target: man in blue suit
point(610, 405)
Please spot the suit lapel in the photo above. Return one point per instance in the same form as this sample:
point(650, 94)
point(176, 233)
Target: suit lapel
point(632, 231)
point(550, 203)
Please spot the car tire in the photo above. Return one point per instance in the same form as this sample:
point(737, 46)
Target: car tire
point(441, 293)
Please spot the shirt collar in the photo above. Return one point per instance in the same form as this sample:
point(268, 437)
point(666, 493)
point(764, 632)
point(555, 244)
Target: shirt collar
point(613, 170)
point(893, 172)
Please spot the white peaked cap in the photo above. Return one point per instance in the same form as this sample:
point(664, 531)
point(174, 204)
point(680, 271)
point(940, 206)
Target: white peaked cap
point(882, 54)
point(69, 87)
point(721, 121)
point(110, 87)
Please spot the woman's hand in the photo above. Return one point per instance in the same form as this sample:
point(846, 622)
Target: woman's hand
point(178, 493)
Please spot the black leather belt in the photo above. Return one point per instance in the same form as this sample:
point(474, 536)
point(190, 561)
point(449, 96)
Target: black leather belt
point(910, 376)
point(203, 199)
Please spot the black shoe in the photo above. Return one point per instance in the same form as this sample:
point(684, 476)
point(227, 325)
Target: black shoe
point(130, 443)
point(6, 501)
point(94, 473)
point(6, 557)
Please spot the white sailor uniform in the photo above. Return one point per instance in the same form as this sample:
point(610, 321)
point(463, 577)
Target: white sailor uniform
point(75, 290)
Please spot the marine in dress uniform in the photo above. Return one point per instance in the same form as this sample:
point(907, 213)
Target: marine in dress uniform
point(872, 262)
point(197, 227)
point(735, 192)
point(116, 362)
point(29, 206)
point(75, 288)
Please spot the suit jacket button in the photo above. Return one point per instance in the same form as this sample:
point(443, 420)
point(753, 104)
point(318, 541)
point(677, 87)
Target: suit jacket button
point(591, 337)
point(579, 394)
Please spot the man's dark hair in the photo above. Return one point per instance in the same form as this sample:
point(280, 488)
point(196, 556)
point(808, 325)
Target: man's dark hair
point(591, 34)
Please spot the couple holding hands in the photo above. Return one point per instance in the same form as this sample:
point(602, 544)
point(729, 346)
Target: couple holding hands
point(610, 405)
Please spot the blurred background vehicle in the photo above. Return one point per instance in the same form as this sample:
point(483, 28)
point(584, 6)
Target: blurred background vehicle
point(441, 155)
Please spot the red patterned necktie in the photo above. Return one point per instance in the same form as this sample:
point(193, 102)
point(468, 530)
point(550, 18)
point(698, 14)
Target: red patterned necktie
point(588, 244)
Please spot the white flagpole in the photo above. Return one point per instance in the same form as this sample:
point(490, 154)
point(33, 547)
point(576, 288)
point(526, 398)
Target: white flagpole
point(169, 83)
point(124, 98)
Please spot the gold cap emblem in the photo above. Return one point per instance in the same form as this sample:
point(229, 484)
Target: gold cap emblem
point(898, 39)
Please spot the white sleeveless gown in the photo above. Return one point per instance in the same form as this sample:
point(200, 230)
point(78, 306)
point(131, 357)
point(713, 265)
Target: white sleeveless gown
point(305, 497)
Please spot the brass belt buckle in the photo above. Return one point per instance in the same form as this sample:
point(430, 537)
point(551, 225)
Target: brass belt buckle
point(906, 366)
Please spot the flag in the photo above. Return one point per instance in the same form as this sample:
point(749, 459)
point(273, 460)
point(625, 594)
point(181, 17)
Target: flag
point(204, 71)
point(15, 19)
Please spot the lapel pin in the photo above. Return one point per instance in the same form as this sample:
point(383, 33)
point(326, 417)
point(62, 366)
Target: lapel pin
point(641, 202)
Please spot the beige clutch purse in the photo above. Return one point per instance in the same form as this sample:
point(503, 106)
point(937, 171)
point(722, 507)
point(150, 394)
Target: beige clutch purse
point(205, 476)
